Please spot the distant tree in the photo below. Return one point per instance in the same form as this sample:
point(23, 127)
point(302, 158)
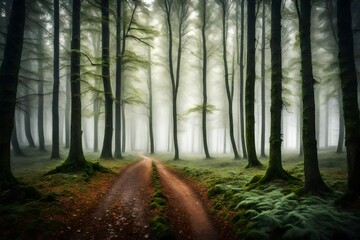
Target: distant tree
point(15, 143)
point(181, 9)
point(349, 87)
point(275, 169)
point(151, 118)
point(314, 184)
point(9, 72)
point(250, 87)
point(55, 153)
point(27, 118)
point(106, 152)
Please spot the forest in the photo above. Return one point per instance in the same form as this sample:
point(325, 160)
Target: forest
point(179, 119)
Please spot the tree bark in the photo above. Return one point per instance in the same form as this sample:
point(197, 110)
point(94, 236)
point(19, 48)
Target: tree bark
point(340, 144)
point(224, 4)
point(55, 153)
point(118, 80)
point(9, 72)
point(27, 119)
point(250, 88)
point(75, 159)
point(151, 127)
point(67, 111)
point(204, 20)
point(275, 169)
point(106, 152)
point(242, 123)
point(41, 94)
point(314, 184)
point(349, 86)
point(263, 117)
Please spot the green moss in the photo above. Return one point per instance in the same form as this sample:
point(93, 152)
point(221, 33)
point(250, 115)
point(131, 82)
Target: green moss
point(160, 229)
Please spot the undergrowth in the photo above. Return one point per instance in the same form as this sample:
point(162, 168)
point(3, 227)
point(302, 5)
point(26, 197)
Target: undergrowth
point(273, 210)
point(159, 224)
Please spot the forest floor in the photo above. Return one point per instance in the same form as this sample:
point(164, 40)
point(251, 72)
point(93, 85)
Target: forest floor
point(205, 199)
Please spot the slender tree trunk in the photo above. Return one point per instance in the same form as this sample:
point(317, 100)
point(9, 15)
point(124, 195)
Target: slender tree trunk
point(250, 88)
point(75, 159)
point(300, 128)
point(326, 125)
point(263, 116)
point(123, 120)
point(242, 123)
point(119, 57)
point(41, 96)
point(204, 19)
point(15, 143)
point(313, 182)
point(67, 111)
point(151, 127)
point(9, 72)
point(96, 109)
point(55, 153)
point(27, 119)
point(275, 169)
point(106, 152)
point(340, 145)
point(349, 86)
point(224, 9)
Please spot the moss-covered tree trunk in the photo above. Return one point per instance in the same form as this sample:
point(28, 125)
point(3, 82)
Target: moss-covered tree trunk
point(55, 153)
point(250, 87)
point(75, 159)
point(106, 152)
point(313, 182)
point(9, 72)
point(275, 169)
point(349, 86)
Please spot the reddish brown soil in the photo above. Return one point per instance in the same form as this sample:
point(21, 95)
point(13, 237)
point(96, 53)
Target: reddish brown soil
point(123, 212)
point(188, 211)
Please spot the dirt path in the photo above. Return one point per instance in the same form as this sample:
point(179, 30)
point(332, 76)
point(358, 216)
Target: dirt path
point(124, 211)
point(188, 212)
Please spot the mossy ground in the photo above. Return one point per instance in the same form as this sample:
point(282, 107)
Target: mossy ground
point(274, 210)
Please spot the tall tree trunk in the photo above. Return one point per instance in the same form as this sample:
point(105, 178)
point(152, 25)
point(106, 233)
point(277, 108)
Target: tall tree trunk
point(123, 121)
point(106, 152)
point(250, 88)
point(15, 143)
point(300, 128)
point(313, 182)
point(242, 123)
point(9, 72)
point(96, 109)
point(275, 169)
point(75, 159)
point(349, 86)
point(263, 117)
point(326, 125)
point(151, 127)
point(27, 119)
point(119, 58)
point(41, 94)
point(55, 154)
point(204, 19)
point(67, 110)
point(340, 145)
